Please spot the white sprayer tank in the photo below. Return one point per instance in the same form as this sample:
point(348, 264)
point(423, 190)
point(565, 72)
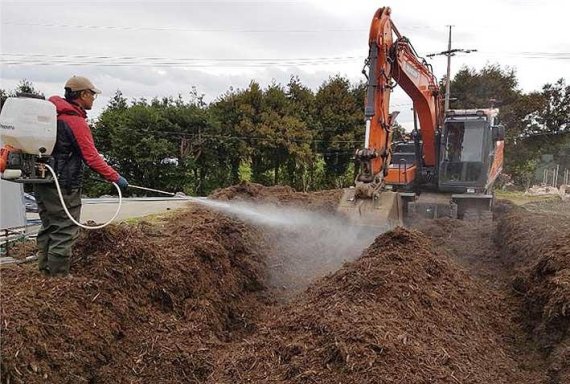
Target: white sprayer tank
point(29, 125)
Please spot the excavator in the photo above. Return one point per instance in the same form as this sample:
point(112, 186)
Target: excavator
point(450, 166)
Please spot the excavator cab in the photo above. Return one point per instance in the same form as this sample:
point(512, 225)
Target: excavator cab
point(466, 153)
point(471, 149)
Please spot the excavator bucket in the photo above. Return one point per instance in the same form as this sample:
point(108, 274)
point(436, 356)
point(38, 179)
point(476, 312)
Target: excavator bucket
point(383, 212)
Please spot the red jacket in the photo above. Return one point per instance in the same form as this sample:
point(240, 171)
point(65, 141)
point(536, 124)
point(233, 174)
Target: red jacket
point(74, 119)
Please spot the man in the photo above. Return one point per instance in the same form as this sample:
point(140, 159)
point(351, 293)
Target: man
point(73, 148)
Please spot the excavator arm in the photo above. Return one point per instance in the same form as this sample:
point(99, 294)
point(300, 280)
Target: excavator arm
point(417, 80)
point(392, 61)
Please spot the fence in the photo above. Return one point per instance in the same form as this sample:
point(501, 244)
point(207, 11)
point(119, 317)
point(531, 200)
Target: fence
point(550, 177)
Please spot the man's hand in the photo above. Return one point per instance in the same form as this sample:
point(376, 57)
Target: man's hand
point(122, 182)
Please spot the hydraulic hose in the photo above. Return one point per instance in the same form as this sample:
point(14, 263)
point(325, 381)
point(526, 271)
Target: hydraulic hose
point(69, 214)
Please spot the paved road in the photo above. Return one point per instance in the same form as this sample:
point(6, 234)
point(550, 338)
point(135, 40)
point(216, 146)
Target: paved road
point(101, 210)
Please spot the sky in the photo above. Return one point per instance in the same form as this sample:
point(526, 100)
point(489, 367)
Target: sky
point(166, 48)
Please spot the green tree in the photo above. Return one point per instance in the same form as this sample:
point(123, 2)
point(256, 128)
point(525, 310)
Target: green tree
point(118, 102)
point(23, 87)
point(398, 133)
point(492, 85)
point(158, 144)
point(249, 105)
point(541, 117)
point(28, 87)
point(288, 139)
point(226, 117)
point(555, 114)
point(341, 121)
point(302, 165)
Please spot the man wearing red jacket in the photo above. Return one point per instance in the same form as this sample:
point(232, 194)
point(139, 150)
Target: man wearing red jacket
point(74, 147)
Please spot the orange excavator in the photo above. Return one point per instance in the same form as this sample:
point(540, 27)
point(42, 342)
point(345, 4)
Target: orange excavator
point(449, 167)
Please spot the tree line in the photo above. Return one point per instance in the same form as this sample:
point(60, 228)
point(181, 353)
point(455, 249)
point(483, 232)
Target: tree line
point(277, 135)
point(290, 134)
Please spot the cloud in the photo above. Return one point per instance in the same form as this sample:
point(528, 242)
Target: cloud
point(109, 34)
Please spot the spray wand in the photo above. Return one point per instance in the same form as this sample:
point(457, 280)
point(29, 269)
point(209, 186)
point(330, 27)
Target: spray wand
point(152, 190)
point(118, 207)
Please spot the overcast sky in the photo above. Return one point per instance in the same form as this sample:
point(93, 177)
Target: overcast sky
point(164, 48)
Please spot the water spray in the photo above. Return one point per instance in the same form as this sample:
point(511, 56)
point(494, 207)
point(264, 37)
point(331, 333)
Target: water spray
point(305, 244)
point(256, 214)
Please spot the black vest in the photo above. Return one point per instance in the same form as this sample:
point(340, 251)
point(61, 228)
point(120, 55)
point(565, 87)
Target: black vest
point(68, 159)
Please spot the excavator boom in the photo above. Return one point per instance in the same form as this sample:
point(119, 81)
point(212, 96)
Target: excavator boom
point(392, 61)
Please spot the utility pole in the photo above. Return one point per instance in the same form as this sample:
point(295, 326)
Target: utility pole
point(450, 52)
point(447, 79)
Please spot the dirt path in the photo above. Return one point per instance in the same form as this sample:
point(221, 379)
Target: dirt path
point(471, 244)
point(477, 247)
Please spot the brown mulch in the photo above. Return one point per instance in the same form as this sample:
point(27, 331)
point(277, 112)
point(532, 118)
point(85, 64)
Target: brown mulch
point(194, 299)
point(281, 195)
point(144, 304)
point(538, 245)
point(471, 244)
point(402, 313)
point(554, 205)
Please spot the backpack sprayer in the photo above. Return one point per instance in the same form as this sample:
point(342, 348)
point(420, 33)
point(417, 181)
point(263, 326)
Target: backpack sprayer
point(28, 129)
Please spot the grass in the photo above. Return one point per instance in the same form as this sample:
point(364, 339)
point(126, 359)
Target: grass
point(155, 218)
point(519, 198)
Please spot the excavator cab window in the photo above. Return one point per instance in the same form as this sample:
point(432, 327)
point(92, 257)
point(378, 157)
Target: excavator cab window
point(463, 157)
point(454, 142)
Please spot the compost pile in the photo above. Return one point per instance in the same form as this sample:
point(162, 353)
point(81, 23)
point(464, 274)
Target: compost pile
point(400, 313)
point(191, 298)
point(538, 246)
point(320, 201)
point(142, 305)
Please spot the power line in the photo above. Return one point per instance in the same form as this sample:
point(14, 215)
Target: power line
point(525, 55)
point(23, 57)
point(189, 62)
point(152, 58)
point(134, 61)
point(175, 134)
point(537, 55)
point(169, 29)
point(152, 3)
point(168, 65)
point(451, 52)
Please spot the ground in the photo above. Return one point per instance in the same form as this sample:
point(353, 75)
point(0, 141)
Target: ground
point(296, 295)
